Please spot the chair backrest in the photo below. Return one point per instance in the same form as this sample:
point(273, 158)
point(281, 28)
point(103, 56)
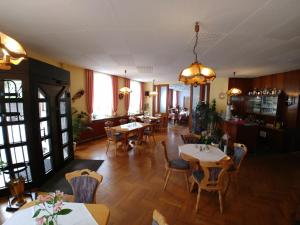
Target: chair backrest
point(123, 121)
point(164, 120)
point(214, 173)
point(166, 158)
point(240, 151)
point(190, 138)
point(158, 219)
point(132, 119)
point(110, 133)
point(84, 184)
point(108, 123)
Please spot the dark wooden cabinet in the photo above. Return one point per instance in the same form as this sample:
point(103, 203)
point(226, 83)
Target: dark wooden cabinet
point(35, 125)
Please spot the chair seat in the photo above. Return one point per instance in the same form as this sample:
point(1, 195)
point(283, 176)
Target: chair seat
point(179, 164)
point(198, 175)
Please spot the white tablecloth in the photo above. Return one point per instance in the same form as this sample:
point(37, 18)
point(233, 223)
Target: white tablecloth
point(214, 154)
point(79, 216)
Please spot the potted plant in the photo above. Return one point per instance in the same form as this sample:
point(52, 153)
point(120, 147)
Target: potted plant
point(80, 123)
point(206, 118)
point(16, 185)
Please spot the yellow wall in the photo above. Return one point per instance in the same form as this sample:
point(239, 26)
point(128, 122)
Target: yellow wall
point(219, 85)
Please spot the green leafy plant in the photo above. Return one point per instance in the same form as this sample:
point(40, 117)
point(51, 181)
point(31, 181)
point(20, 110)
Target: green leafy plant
point(206, 118)
point(80, 123)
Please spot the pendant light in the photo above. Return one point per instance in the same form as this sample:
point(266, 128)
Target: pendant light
point(234, 91)
point(197, 73)
point(125, 90)
point(153, 93)
point(11, 52)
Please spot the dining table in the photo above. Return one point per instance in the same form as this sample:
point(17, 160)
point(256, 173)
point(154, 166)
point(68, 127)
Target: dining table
point(151, 118)
point(131, 128)
point(82, 214)
point(201, 152)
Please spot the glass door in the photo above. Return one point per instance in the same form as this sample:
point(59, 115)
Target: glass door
point(13, 141)
point(64, 129)
point(45, 130)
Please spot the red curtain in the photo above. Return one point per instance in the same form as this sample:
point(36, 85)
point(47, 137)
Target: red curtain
point(127, 97)
point(177, 98)
point(115, 89)
point(142, 97)
point(89, 89)
point(169, 98)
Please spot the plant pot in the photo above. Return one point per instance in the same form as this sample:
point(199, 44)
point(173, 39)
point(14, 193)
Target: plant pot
point(16, 188)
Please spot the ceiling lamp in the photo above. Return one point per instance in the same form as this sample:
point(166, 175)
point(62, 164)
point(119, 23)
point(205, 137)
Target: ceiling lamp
point(11, 52)
point(197, 73)
point(153, 93)
point(125, 90)
point(234, 91)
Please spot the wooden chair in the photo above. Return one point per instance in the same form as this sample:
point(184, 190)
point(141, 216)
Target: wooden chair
point(132, 119)
point(163, 126)
point(149, 131)
point(239, 153)
point(109, 123)
point(123, 121)
point(113, 137)
point(190, 138)
point(175, 165)
point(84, 184)
point(158, 219)
point(211, 178)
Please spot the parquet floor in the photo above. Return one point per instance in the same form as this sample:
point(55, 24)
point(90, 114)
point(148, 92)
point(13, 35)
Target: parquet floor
point(267, 191)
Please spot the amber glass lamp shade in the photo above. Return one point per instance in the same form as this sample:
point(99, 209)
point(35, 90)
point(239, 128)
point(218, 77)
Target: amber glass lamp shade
point(197, 74)
point(11, 52)
point(234, 91)
point(125, 90)
point(153, 93)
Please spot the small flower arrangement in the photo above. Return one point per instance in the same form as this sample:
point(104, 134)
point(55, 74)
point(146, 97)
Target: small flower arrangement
point(49, 207)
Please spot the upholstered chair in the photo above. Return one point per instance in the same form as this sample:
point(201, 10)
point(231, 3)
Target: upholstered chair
point(123, 121)
point(175, 165)
point(149, 131)
point(108, 123)
point(84, 184)
point(211, 178)
point(158, 219)
point(132, 119)
point(190, 138)
point(114, 138)
point(239, 153)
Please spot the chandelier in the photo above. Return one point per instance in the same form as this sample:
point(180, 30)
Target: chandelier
point(153, 93)
point(234, 91)
point(197, 73)
point(11, 52)
point(125, 90)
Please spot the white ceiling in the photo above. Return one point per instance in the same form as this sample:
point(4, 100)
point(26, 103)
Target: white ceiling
point(153, 39)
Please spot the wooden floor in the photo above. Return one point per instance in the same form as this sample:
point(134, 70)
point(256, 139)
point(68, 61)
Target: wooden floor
point(266, 193)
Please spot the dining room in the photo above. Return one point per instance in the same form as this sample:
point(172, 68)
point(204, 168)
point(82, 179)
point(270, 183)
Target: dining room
point(149, 112)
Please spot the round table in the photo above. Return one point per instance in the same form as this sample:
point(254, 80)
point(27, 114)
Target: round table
point(200, 152)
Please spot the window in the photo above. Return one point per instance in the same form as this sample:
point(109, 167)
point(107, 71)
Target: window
point(103, 96)
point(174, 103)
point(135, 97)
